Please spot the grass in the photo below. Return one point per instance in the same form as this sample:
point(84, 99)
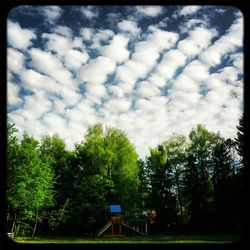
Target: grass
point(173, 239)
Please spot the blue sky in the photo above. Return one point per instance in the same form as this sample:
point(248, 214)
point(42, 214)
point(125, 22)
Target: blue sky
point(148, 70)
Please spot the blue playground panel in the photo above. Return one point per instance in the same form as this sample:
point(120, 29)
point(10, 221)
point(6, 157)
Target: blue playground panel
point(115, 208)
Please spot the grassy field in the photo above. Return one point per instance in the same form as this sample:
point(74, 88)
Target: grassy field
point(173, 239)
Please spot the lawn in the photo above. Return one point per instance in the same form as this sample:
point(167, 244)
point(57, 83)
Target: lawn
point(173, 239)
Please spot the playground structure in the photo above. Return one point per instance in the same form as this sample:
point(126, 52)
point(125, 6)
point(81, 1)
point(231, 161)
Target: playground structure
point(117, 227)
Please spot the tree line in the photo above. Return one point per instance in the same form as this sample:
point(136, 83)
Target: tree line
point(194, 183)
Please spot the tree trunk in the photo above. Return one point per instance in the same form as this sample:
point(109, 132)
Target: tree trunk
point(35, 226)
point(178, 191)
point(106, 216)
point(14, 223)
point(110, 172)
point(16, 233)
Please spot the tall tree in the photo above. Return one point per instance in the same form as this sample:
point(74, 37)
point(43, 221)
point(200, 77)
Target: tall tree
point(161, 197)
point(144, 185)
point(53, 150)
point(13, 148)
point(240, 177)
point(106, 162)
point(176, 148)
point(240, 136)
point(122, 160)
point(223, 175)
point(30, 184)
point(198, 183)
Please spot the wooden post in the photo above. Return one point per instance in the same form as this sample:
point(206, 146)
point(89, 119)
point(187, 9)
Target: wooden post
point(146, 228)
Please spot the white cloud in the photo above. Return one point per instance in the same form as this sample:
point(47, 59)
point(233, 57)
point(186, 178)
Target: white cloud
point(129, 26)
point(163, 23)
point(116, 50)
point(157, 80)
point(150, 11)
point(89, 11)
point(101, 36)
point(49, 64)
point(184, 99)
point(95, 92)
point(25, 121)
point(54, 123)
point(57, 43)
point(144, 105)
point(192, 23)
point(97, 70)
point(199, 39)
point(189, 10)
point(59, 106)
point(170, 63)
point(185, 83)
point(52, 13)
point(38, 82)
point(228, 74)
point(197, 70)
point(69, 95)
point(130, 71)
point(78, 43)
point(15, 60)
point(63, 30)
point(159, 101)
point(75, 58)
point(146, 89)
point(237, 59)
point(18, 37)
point(148, 51)
point(13, 94)
point(87, 33)
point(117, 105)
point(116, 91)
point(81, 114)
point(225, 44)
point(37, 104)
point(144, 58)
point(141, 79)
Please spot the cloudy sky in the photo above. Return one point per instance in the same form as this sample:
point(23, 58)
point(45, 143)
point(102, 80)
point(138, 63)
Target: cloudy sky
point(147, 70)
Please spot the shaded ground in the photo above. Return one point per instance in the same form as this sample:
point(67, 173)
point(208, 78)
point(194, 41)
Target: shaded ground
point(193, 239)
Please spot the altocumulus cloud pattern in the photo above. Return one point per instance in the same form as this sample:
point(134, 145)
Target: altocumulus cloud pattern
point(147, 70)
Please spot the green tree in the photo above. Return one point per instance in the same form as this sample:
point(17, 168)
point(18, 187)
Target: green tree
point(223, 176)
point(122, 160)
point(176, 149)
point(13, 148)
point(53, 150)
point(144, 185)
point(29, 183)
point(198, 185)
point(161, 197)
point(106, 163)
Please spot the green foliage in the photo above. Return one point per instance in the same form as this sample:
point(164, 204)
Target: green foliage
point(176, 147)
point(198, 185)
point(161, 197)
point(106, 161)
point(59, 218)
point(51, 190)
point(29, 180)
point(144, 185)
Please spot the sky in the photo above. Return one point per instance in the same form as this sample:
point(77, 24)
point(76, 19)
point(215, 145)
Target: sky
point(150, 70)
